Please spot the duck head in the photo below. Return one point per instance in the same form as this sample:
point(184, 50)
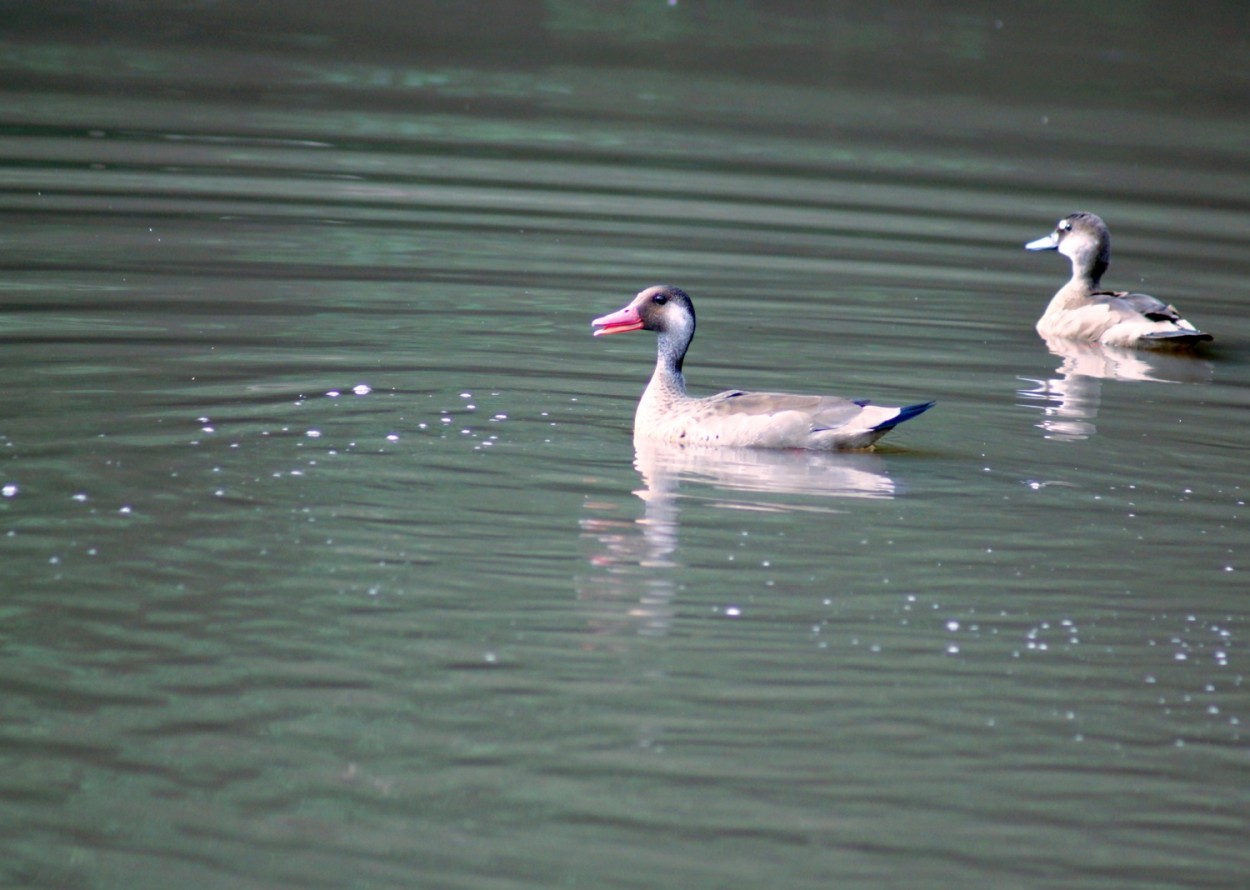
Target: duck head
point(665, 309)
point(1083, 238)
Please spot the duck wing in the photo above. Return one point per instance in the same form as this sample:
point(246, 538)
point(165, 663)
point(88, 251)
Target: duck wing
point(818, 414)
point(821, 412)
point(779, 420)
point(1143, 304)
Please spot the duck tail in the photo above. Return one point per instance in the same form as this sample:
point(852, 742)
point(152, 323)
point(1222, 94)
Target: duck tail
point(904, 414)
point(1176, 338)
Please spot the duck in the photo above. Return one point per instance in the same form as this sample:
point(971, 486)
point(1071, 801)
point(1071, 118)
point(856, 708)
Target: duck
point(735, 418)
point(1082, 310)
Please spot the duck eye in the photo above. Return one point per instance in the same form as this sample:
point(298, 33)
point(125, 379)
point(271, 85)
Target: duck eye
point(659, 299)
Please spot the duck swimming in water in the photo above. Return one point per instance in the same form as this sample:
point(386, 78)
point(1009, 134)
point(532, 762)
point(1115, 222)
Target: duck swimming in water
point(735, 418)
point(1082, 310)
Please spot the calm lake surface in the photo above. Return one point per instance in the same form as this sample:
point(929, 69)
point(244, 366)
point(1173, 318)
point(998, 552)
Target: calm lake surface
point(326, 557)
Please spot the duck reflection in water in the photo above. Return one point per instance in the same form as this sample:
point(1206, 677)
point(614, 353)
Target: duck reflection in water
point(634, 567)
point(663, 467)
point(1069, 401)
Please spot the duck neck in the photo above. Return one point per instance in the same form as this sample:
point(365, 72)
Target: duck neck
point(1089, 272)
point(668, 384)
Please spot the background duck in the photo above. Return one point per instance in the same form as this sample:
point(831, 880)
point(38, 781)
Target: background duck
point(735, 418)
point(1081, 310)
